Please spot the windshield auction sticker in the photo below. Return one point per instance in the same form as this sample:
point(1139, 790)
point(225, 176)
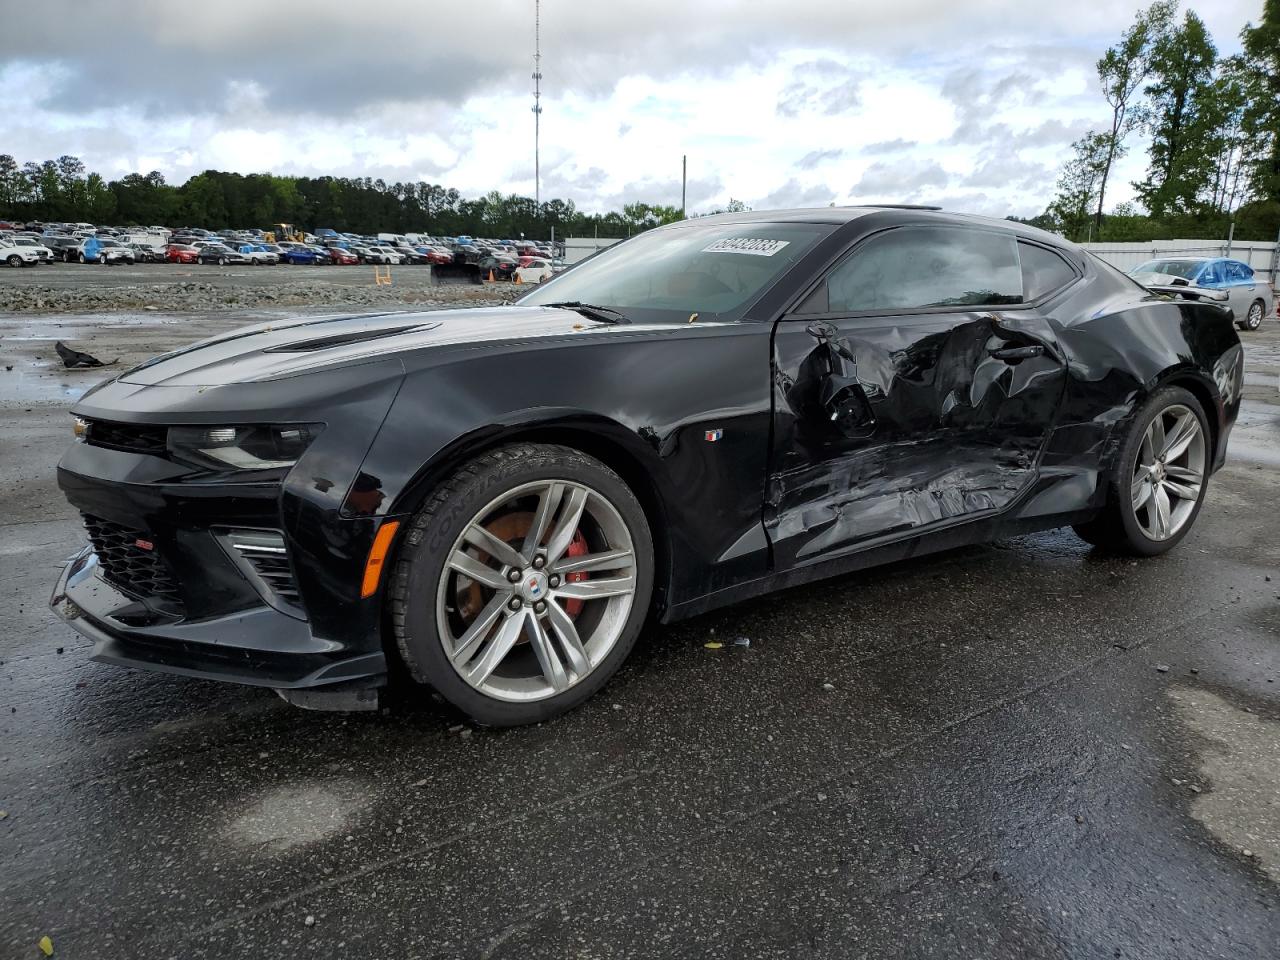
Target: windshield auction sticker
point(748, 245)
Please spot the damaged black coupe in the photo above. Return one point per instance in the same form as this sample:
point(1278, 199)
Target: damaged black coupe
point(492, 502)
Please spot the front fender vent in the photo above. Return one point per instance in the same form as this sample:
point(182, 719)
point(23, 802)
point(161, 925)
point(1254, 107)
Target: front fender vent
point(263, 558)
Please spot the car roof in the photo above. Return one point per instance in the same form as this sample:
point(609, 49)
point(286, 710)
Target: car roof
point(843, 214)
point(911, 213)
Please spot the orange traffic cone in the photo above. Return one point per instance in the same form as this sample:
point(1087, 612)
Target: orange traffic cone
point(491, 277)
point(518, 280)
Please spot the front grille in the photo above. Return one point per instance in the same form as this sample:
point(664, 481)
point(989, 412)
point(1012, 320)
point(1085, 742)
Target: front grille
point(139, 438)
point(134, 569)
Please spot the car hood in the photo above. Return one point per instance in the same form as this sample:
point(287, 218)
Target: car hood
point(288, 348)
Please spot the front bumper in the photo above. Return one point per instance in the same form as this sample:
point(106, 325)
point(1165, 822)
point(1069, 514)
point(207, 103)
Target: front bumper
point(259, 646)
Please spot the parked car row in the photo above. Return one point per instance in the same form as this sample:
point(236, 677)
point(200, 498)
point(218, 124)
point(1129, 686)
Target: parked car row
point(84, 243)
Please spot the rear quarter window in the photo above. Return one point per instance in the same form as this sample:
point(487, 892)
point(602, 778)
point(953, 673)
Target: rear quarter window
point(1043, 271)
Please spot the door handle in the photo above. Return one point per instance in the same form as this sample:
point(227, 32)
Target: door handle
point(1014, 354)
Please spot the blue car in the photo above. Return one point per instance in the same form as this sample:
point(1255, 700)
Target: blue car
point(1248, 298)
point(304, 255)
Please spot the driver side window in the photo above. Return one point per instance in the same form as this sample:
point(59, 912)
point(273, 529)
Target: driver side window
point(922, 267)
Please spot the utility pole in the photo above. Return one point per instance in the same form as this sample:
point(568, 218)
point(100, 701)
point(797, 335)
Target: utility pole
point(537, 101)
point(684, 181)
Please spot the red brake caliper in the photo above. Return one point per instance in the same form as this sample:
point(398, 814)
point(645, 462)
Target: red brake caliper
point(577, 548)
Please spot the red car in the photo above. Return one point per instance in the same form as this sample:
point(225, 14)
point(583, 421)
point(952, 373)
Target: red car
point(181, 253)
point(439, 255)
point(341, 257)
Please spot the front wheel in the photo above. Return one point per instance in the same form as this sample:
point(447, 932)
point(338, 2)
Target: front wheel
point(1159, 479)
point(523, 583)
point(14, 260)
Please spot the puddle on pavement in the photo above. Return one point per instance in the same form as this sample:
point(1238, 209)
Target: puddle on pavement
point(45, 384)
point(1240, 767)
point(297, 814)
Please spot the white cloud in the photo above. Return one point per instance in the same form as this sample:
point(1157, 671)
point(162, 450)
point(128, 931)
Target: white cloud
point(774, 102)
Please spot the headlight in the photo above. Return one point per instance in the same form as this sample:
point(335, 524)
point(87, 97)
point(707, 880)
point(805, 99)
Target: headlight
point(243, 448)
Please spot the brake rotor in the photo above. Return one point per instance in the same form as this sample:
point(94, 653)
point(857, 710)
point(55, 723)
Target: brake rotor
point(512, 528)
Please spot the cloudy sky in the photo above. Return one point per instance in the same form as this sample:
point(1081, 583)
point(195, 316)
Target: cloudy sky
point(969, 104)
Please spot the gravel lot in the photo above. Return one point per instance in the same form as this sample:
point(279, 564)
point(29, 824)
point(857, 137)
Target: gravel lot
point(1020, 750)
point(175, 288)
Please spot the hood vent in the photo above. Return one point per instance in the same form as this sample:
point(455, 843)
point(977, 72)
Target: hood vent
point(348, 338)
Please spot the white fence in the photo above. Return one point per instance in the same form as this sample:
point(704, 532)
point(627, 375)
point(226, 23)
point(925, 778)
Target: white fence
point(579, 248)
point(1126, 256)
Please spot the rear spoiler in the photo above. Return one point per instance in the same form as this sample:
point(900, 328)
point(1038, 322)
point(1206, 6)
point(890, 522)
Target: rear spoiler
point(1189, 292)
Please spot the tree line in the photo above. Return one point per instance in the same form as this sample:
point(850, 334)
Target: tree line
point(63, 191)
point(1214, 129)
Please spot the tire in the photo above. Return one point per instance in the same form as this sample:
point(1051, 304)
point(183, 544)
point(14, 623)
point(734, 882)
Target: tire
point(1253, 318)
point(428, 601)
point(14, 260)
point(222, 261)
point(82, 259)
point(1129, 522)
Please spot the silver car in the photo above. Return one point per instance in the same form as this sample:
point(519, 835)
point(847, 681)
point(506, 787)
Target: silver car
point(1249, 298)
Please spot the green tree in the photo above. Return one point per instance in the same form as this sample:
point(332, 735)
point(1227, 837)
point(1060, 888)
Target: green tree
point(10, 184)
point(1225, 145)
point(1180, 116)
point(1122, 70)
point(1261, 121)
point(1080, 185)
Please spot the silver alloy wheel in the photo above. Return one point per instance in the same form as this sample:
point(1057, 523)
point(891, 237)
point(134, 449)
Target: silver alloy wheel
point(546, 605)
point(1170, 472)
point(1254, 318)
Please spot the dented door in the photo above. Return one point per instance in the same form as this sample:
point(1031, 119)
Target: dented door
point(889, 426)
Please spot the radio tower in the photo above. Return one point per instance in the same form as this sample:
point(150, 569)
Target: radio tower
point(537, 100)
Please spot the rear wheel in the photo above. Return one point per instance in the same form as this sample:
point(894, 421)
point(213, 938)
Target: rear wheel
point(523, 583)
point(1159, 480)
point(1253, 317)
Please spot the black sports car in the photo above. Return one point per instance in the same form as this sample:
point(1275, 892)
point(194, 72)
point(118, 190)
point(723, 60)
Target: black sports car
point(493, 501)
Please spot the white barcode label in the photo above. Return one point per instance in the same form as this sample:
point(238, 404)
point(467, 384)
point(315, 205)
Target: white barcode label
point(756, 247)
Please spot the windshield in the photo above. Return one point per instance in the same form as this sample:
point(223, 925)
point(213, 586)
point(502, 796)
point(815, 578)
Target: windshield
point(1172, 268)
point(715, 270)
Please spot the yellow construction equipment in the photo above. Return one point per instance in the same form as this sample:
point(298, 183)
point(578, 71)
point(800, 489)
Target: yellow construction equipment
point(285, 231)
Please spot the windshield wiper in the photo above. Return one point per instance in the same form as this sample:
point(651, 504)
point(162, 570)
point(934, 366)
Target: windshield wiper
point(590, 310)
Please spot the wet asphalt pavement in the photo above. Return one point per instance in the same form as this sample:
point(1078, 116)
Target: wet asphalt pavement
point(1026, 749)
